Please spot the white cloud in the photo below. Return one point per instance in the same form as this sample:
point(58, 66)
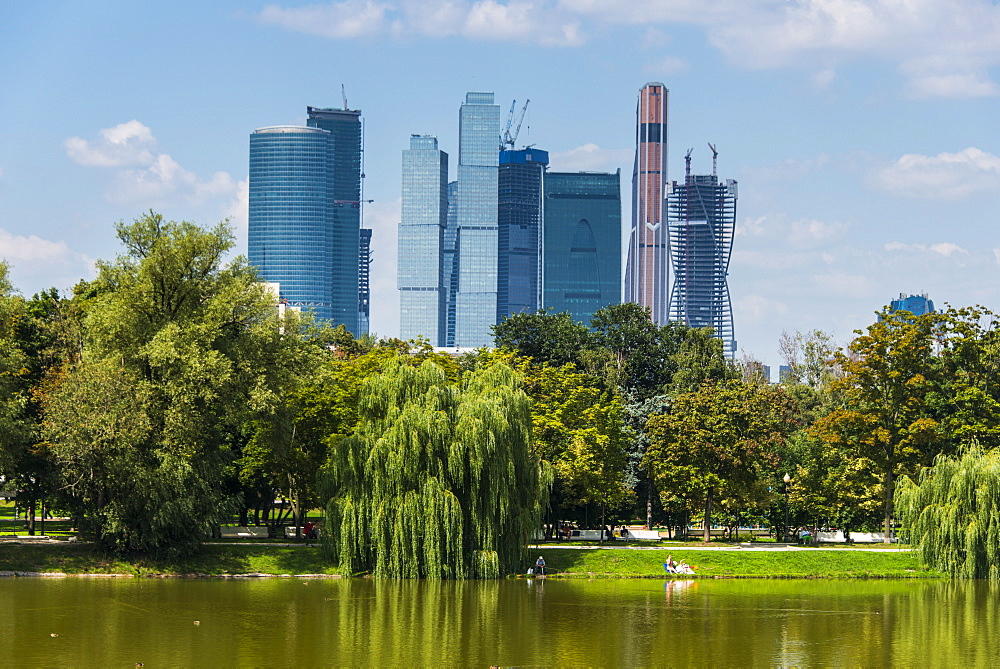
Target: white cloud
point(487, 20)
point(37, 261)
point(125, 144)
point(946, 175)
point(971, 85)
point(589, 158)
point(238, 212)
point(810, 232)
point(752, 227)
point(946, 249)
point(339, 20)
point(144, 175)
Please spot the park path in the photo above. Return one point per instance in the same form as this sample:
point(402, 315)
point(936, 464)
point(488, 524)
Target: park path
point(749, 549)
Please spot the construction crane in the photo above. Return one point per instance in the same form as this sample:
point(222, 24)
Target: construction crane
point(507, 139)
point(343, 95)
point(715, 159)
point(687, 163)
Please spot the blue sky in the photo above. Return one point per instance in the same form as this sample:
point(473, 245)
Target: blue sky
point(864, 134)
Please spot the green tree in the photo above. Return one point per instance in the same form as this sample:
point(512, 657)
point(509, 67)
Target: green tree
point(699, 359)
point(952, 513)
point(180, 354)
point(883, 414)
point(438, 480)
point(718, 442)
point(15, 429)
point(543, 336)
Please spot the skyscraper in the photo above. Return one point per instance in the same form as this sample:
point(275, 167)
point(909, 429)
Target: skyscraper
point(291, 239)
point(519, 230)
point(305, 199)
point(701, 216)
point(423, 221)
point(364, 280)
point(476, 218)
point(918, 305)
point(582, 242)
point(344, 125)
point(647, 273)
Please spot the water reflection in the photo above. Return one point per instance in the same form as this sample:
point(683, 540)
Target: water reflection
point(284, 622)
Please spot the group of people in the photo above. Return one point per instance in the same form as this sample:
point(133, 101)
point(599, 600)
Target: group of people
point(673, 567)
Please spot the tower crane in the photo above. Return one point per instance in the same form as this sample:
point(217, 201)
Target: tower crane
point(507, 139)
point(715, 158)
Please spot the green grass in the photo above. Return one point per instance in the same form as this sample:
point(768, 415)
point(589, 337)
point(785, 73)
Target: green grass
point(609, 562)
point(213, 560)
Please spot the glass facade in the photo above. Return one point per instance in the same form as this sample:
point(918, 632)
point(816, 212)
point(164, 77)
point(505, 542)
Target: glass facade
point(582, 243)
point(291, 201)
point(476, 212)
point(423, 221)
point(450, 263)
point(918, 305)
point(344, 126)
point(701, 216)
point(519, 230)
point(647, 274)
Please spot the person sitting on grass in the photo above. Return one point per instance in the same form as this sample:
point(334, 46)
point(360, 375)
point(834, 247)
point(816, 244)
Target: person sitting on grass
point(684, 568)
point(670, 566)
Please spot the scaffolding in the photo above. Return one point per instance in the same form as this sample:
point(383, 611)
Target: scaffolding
point(701, 220)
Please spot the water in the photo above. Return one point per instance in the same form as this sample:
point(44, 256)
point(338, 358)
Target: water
point(292, 622)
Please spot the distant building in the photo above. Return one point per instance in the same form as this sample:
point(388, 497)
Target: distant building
point(702, 220)
point(582, 243)
point(304, 219)
point(450, 263)
point(519, 231)
point(647, 273)
point(785, 374)
point(364, 280)
point(476, 211)
point(918, 305)
point(344, 125)
point(290, 237)
point(423, 219)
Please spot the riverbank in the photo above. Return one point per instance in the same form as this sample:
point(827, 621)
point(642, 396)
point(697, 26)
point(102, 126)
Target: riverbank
point(216, 561)
point(806, 563)
point(235, 560)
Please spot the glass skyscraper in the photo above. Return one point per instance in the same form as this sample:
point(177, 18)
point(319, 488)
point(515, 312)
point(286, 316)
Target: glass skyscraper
point(519, 231)
point(291, 202)
point(344, 126)
point(423, 298)
point(647, 274)
point(918, 305)
point(476, 218)
point(305, 199)
point(701, 215)
point(582, 242)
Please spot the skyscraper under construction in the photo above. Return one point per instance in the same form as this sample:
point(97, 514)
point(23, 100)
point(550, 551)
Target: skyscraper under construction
point(701, 218)
point(647, 274)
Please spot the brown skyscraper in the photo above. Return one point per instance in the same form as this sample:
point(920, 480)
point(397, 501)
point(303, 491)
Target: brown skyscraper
point(647, 275)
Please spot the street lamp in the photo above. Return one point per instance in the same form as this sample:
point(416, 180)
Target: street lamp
point(787, 480)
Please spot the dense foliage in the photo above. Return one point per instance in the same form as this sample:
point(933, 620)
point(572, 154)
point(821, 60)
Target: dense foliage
point(166, 397)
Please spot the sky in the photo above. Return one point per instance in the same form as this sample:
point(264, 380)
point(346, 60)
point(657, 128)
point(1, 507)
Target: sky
point(865, 135)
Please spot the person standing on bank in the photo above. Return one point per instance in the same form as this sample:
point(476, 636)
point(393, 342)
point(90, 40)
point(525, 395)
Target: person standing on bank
point(540, 566)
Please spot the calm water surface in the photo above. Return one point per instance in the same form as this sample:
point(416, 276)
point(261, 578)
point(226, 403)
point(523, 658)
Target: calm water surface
point(292, 622)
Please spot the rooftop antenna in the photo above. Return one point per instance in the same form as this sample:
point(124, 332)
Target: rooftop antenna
point(715, 158)
point(343, 95)
point(687, 163)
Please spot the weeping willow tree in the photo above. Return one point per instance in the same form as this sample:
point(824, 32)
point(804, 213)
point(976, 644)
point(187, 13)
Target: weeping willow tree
point(438, 480)
point(953, 513)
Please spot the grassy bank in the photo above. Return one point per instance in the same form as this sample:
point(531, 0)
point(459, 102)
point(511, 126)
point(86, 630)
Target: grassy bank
point(612, 563)
point(598, 563)
point(213, 560)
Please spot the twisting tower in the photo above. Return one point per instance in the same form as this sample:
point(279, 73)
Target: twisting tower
point(701, 218)
point(647, 273)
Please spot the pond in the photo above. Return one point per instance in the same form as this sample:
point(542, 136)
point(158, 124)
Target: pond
point(296, 622)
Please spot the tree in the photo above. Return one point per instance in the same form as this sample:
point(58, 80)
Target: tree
point(180, 354)
point(952, 513)
point(543, 336)
point(699, 359)
point(633, 353)
point(883, 415)
point(15, 428)
point(717, 442)
point(438, 480)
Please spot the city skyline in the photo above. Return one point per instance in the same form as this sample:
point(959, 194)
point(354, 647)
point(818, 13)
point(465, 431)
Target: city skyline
point(862, 134)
